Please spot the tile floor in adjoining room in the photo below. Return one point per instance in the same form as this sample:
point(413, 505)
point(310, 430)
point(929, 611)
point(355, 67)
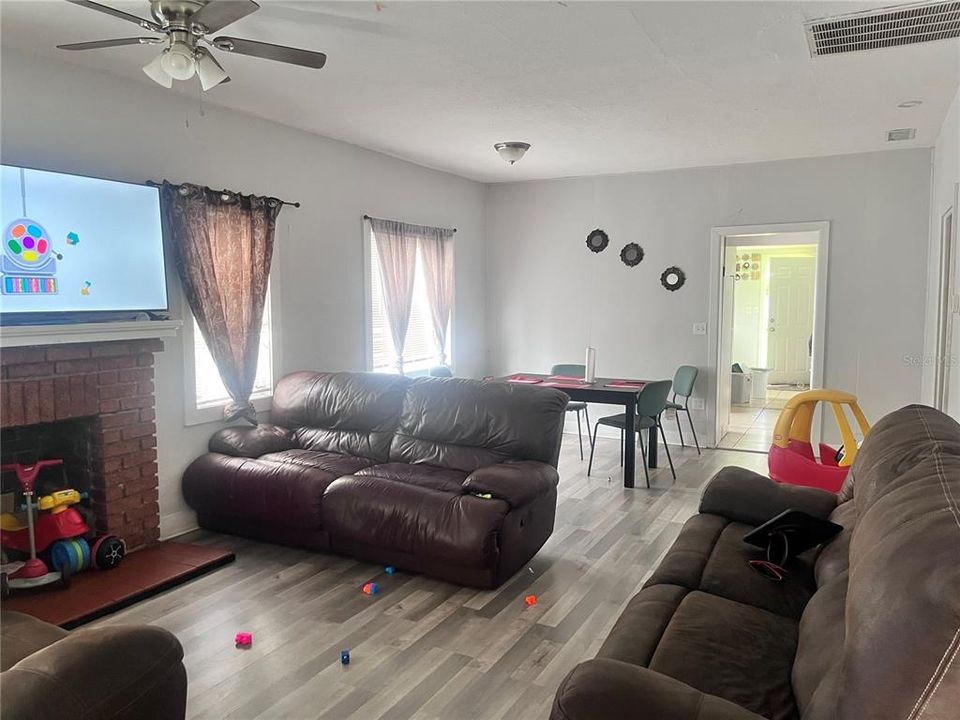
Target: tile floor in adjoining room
point(751, 426)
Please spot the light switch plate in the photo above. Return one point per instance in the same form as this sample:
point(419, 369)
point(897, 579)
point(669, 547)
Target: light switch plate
point(700, 328)
point(696, 403)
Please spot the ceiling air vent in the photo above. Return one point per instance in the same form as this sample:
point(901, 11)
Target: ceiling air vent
point(884, 27)
point(901, 134)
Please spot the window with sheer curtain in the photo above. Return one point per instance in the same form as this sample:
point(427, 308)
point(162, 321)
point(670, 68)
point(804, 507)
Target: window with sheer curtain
point(420, 350)
point(210, 391)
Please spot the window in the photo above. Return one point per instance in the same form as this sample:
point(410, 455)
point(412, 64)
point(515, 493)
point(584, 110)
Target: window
point(420, 350)
point(207, 388)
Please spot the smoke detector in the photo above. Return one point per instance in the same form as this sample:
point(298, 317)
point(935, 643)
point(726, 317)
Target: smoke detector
point(883, 27)
point(901, 134)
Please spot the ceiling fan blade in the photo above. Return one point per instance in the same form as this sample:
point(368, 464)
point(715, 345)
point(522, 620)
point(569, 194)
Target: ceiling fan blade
point(280, 53)
point(217, 14)
point(97, 44)
point(142, 22)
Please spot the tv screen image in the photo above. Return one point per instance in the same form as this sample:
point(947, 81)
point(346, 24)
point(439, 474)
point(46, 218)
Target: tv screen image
point(74, 244)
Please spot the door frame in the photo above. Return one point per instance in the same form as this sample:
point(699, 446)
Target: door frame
point(762, 235)
point(947, 303)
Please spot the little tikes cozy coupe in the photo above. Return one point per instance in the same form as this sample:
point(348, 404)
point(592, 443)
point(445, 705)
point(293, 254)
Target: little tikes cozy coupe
point(791, 459)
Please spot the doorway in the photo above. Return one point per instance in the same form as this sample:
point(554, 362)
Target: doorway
point(768, 299)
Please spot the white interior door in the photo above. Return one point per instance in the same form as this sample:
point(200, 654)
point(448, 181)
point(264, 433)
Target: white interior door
point(790, 318)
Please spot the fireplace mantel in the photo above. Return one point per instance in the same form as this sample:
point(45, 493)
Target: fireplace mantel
point(28, 335)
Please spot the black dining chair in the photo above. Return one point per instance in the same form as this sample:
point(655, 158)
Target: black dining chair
point(683, 383)
point(651, 403)
point(575, 407)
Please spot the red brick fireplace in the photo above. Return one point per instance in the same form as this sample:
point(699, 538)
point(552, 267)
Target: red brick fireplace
point(111, 385)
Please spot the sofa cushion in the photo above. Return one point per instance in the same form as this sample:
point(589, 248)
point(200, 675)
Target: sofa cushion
point(333, 463)
point(710, 555)
point(461, 529)
point(282, 488)
point(820, 644)
point(637, 632)
point(346, 413)
point(735, 651)
point(22, 635)
point(426, 476)
point(465, 424)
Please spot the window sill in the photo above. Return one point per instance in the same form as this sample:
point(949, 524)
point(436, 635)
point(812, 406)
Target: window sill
point(214, 413)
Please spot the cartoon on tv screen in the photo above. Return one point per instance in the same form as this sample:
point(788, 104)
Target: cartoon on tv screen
point(74, 244)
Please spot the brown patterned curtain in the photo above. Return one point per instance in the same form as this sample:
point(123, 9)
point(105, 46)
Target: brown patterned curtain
point(222, 247)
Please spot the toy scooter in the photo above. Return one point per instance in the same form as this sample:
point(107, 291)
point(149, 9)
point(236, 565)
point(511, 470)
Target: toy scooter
point(34, 572)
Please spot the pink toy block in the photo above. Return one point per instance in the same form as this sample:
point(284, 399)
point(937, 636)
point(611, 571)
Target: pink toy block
point(244, 639)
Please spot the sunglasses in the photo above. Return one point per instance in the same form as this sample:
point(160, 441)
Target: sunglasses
point(767, 569)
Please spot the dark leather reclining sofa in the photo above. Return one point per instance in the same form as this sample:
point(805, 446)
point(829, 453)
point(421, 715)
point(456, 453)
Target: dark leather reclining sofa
point(866, 628)
point(452, 478)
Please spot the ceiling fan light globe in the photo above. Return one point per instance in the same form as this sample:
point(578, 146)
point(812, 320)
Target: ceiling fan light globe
point(209, 71)
point(178, 61)
point(154, 70)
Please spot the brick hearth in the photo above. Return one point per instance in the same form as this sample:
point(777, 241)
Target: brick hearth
point(111, 382)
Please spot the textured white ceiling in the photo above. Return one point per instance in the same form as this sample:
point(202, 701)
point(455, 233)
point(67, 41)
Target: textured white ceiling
point(596, 87)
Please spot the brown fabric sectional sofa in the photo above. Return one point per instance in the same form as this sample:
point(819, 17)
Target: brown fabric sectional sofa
point(866, 628)
point(449, 477)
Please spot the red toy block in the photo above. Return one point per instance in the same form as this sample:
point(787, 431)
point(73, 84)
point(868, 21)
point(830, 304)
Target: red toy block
point(530, 600)
point(244, 639)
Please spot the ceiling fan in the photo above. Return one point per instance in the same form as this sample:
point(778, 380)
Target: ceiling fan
point(185, 25)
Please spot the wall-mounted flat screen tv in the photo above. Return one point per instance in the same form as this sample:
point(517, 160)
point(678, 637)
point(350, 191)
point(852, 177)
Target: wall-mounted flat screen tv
point(76, 248)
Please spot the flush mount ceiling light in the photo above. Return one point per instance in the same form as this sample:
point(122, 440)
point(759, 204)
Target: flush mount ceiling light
point(910, 103)
point(511, 151)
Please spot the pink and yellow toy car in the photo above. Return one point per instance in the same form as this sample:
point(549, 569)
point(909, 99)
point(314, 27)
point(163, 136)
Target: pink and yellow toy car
point(791, 458)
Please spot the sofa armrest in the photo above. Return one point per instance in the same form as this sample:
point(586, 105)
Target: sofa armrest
point(515, 482)
point(748, 497)
point(252, 441)
point(602, 689)
point(118, 672)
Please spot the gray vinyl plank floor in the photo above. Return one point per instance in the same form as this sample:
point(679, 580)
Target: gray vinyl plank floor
point(423, 649)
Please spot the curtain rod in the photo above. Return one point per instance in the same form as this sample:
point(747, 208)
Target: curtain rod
point(151, 183)
point(368, 217)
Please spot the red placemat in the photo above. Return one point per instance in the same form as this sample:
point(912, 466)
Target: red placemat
point(524, 379)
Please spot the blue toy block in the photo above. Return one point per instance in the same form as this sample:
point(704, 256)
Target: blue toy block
point(389, 569)
point(344, 657)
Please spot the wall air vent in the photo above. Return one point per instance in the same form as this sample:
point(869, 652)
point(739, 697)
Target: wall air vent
point(901, 134)
point(884, 27)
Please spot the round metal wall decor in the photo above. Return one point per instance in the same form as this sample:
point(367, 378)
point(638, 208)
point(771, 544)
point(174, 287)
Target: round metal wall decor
point(673, 278)
point(597, 241)
point(631, 254)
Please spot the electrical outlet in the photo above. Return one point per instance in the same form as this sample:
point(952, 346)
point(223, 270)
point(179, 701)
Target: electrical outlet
point(700, 328)
point(696, 403)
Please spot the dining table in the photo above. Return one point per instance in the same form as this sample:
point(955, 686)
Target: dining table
point(606, 391)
